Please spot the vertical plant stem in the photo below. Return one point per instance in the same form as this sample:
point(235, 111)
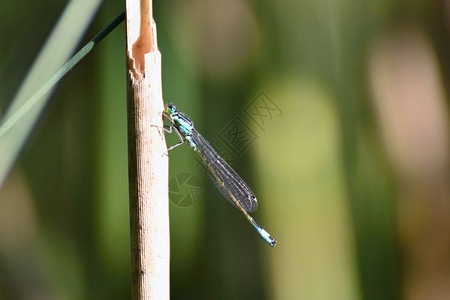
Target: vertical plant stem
point(148, 162)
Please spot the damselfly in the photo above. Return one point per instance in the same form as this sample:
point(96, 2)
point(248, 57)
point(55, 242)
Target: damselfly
point(232, 187)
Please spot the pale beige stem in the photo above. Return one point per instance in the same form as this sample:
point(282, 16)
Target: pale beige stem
point(148, 164)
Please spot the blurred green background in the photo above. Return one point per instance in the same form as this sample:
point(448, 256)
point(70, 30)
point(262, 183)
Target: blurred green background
point(335, 112)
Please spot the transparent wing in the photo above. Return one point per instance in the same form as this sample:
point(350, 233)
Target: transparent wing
point(232, 187)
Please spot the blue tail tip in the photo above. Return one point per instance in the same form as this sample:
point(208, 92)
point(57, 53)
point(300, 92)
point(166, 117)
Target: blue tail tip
point(266, 236)
point(272, 242)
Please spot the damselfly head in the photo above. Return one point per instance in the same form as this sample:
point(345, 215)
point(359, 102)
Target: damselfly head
point(170, 108)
